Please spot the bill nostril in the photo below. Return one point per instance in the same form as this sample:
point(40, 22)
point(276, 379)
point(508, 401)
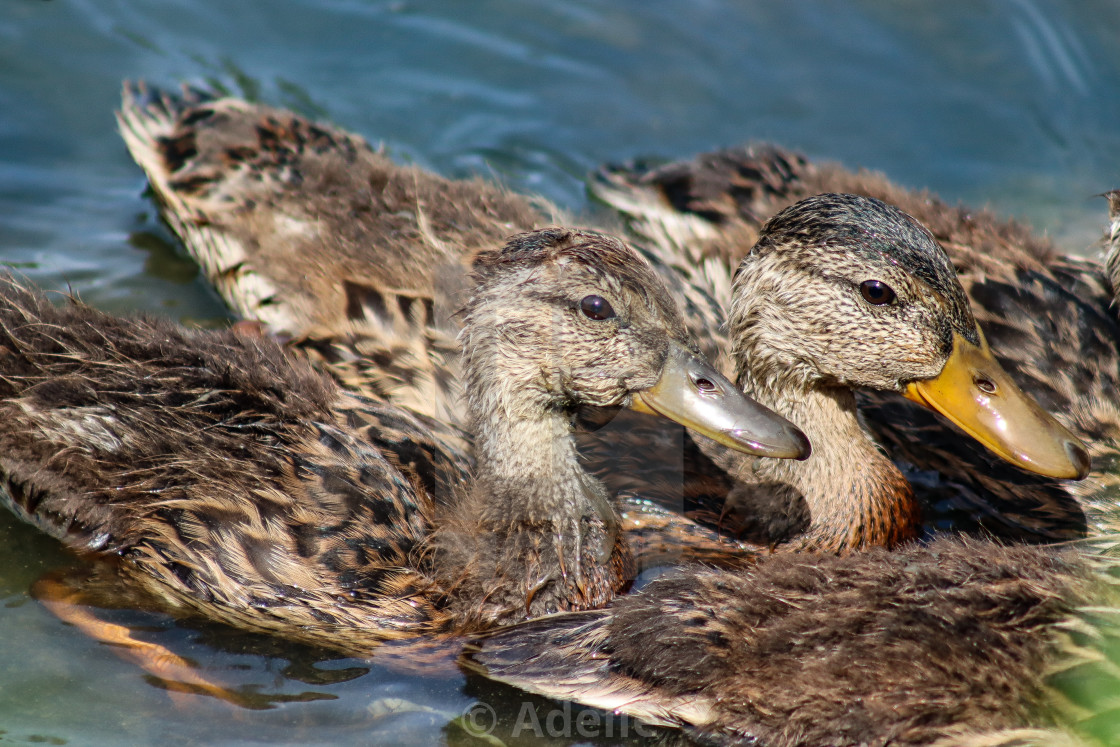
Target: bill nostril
point(985, 385)
point(705, 385)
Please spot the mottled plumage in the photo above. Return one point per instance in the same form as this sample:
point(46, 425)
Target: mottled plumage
point(1049, 318)
point(224, 476)
point(830, 501)
point(325, 240)
point(232, 481)
point(949, 644)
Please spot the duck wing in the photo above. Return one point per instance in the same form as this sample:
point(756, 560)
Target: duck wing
point(903, 647)
point(359, 261)
point(226, 477)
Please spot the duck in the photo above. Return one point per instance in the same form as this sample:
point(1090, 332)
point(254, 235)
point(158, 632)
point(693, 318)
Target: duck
point(266, 199)
point(1049, 318)
point(227, 480)
point(962, 641)
point(956, 642)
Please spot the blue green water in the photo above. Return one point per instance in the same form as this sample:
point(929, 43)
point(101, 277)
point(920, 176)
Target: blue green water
point(1013, 103)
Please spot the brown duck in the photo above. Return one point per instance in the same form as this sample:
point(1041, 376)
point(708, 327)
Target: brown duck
point(1049, 318)
point(228, 480)
point(265, 198)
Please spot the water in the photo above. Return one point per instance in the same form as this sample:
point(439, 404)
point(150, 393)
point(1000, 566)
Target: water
point(1015, 104)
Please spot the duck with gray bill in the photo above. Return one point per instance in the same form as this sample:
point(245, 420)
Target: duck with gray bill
point(211, 469)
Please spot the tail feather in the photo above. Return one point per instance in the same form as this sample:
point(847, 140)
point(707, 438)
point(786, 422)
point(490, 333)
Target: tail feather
point(568, 657)
point(150, 122)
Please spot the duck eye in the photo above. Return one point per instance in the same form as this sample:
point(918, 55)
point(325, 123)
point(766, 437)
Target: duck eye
point(596, 307)
point(876, 292)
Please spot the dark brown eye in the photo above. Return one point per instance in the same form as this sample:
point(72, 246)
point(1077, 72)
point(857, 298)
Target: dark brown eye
point(596, 307)
point(876, 292)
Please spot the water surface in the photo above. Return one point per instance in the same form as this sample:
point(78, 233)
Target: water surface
point(1014, 104)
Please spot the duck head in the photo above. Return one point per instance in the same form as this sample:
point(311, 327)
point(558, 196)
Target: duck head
point(565, 318)
point(847, 291)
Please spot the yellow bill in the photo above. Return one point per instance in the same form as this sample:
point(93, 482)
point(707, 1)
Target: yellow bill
point(976, 394)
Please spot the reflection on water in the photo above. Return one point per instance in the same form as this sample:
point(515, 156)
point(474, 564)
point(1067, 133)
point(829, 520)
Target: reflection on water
point(1009, 103)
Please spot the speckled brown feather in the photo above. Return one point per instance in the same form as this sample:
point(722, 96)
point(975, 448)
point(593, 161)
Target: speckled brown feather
point(946, 642)
point(359, 261)
point(145, 122)
point(803, 338)
point(715, 206)
point(291, 233)
point(1112, 256)
point(232, 480)
point(236, 483)
point(1050, 319)
point(715, 203)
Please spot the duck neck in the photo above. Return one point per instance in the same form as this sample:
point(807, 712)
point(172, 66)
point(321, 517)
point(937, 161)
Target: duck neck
point(535, 534)
point(856, 497)
point(528, 471)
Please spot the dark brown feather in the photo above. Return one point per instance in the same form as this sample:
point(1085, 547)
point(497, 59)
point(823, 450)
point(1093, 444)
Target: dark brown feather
point(903, 648)
point(359, 262)
point(698, 218)
point(231, 479)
